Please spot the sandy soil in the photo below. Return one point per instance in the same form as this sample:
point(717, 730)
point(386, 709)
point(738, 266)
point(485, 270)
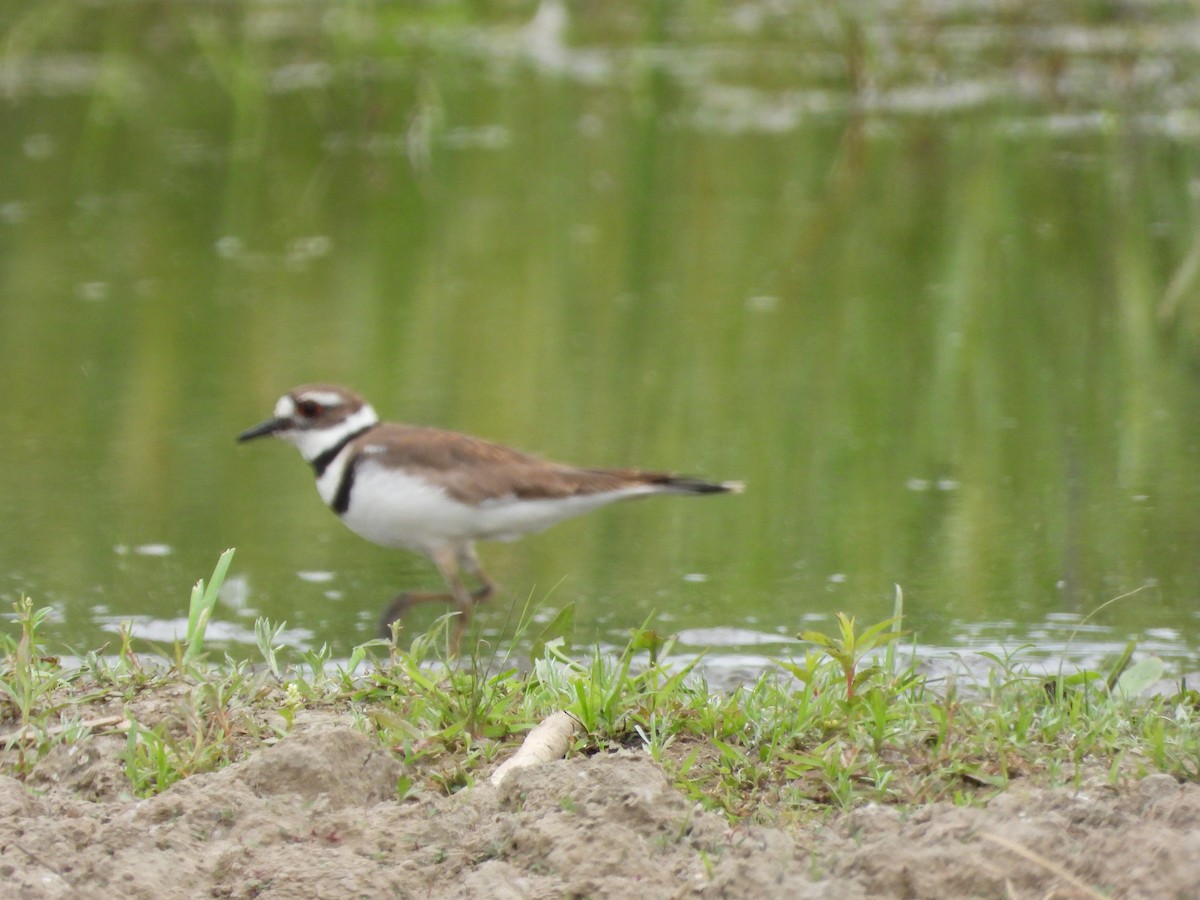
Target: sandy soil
point(316, 815)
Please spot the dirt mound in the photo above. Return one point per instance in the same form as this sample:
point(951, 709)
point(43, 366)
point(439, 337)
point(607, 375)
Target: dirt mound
point(316, 816)
point(1144, 842)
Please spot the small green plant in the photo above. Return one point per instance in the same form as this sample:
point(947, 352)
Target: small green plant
point(148, 763)
point(848, 647)
point(26, 680)
point(266, 638)
point(199, 737)
point(27, 674)
point(204, 598)
point(557, 629)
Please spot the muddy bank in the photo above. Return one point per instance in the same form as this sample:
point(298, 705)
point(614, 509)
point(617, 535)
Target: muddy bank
point(316, 816)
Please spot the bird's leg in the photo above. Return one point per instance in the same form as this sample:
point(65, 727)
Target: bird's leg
point(449, 564)
point(468, 561)
point(403, 602)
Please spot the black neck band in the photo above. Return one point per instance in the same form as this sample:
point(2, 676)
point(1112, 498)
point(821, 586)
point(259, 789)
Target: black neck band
point(321, 462)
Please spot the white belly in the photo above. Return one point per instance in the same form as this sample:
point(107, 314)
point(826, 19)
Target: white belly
point(397, 510)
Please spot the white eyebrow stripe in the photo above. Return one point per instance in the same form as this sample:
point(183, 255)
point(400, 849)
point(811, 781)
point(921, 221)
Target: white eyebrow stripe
point(325, 398)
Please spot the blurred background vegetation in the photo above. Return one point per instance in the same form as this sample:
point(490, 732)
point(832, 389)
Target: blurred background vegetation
point(923, 274)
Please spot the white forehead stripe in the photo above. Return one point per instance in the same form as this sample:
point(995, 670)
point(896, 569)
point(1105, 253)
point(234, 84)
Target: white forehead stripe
point(285, 408)
point(325, 398)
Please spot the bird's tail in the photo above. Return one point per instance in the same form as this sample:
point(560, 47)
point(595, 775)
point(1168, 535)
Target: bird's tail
point(680, 484)
point(646, 483)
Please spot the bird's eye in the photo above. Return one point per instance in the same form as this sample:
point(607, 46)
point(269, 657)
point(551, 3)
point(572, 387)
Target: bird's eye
point(310, 409)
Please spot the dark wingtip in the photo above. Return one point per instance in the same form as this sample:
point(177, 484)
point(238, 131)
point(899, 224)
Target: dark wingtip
point(696, 486)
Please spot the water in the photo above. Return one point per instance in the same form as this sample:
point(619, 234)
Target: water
point(924, 279)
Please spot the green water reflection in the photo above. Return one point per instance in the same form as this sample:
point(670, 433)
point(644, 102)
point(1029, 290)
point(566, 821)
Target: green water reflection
point(921, 279)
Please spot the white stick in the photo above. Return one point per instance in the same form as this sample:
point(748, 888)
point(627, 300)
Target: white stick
point(549, 739)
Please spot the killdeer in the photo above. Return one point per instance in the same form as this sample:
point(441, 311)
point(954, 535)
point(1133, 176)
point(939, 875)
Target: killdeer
point(438, 492)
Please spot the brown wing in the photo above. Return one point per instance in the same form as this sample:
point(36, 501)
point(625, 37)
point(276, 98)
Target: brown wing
point(473, 470)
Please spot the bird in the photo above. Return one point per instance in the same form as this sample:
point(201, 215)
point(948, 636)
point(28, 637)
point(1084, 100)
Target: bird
point(438, 492)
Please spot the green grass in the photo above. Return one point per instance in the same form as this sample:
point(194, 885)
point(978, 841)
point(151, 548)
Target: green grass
point(839, 725)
